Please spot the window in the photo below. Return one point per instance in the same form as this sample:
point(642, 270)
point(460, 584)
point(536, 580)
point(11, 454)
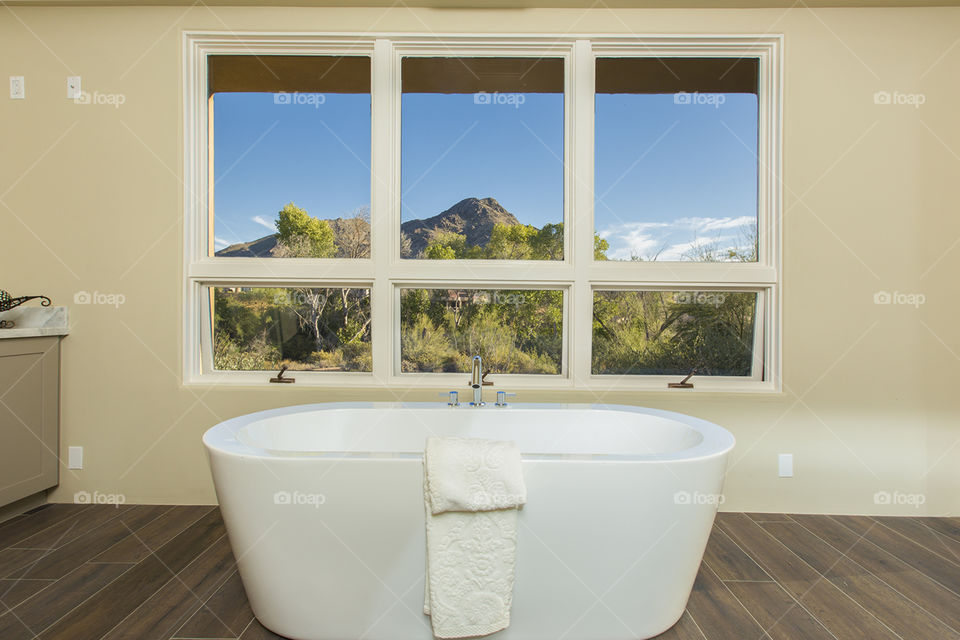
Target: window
point(584, 213)
point(264, 328)
point(517, 331)
point(673, 333)
point(290, 156)
point(482, 158)
point(676, 158)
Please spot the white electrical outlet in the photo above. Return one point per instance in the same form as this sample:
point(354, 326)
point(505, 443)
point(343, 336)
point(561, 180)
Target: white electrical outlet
point(17, 89)
point(786, 465)
point(75, 458)
point(73, 87)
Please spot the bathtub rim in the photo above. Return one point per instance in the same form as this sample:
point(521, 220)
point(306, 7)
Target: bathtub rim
point(223, 438)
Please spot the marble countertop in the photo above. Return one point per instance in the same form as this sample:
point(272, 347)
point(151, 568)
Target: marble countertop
point(32, 322)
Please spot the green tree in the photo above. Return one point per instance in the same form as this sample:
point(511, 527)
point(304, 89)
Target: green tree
point(446, 245)
point(437, 251)
point(333, 317)
point(304, 236)
point(547, 243)
point(600, 247)
point(507, 242)
point(511, 242)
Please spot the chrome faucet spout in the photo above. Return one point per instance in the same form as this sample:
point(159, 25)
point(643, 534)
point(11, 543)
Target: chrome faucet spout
point(477, 381)
point(476, 376)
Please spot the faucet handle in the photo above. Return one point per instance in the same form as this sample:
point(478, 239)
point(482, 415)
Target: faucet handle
point(502, 398)
point(280, 377)
point(453, 399)
point(483, 380)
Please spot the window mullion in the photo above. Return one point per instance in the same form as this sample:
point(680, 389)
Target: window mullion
point(581, 224)
point(384, 216)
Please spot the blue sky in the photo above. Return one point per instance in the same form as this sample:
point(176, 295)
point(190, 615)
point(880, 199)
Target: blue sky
point(266, 155)
point(455, 146)
point(667, 174)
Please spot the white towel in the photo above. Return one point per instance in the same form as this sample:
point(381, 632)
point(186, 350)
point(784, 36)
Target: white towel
point(464, 474)
point(472, 489)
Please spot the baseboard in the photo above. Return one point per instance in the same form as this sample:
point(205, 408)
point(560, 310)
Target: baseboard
point(22, 505)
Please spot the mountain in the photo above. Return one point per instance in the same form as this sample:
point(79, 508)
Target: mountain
point(351, 235)
point(471, 217)
point(259, 248)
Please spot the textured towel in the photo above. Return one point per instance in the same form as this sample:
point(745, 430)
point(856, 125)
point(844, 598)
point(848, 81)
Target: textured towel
point(464, 474)
point(472, 489)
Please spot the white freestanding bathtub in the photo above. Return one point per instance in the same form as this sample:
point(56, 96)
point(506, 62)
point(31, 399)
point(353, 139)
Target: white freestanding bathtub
point(323, 505)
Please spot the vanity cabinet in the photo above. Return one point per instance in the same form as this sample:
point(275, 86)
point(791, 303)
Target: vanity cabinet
point(29, 416)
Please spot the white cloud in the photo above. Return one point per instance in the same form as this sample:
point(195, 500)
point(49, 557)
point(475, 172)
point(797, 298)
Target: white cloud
point(631, 241)
point(220, 243)
point(678, 251)
point(704, 225)
point(683, 250)
point(264, 222)
point(672, 241)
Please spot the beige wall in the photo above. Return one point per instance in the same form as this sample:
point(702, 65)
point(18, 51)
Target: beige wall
point(93, 202)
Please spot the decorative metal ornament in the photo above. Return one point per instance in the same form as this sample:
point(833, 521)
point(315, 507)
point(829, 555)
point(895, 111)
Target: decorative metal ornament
point(7, 302)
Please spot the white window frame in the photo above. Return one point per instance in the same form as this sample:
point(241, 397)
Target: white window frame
point(385, 273)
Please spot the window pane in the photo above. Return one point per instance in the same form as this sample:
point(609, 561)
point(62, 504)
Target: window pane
point(514, 331)
point(290, 146)
point(673, 332)
point(317, 329)
point(482, 158)
point(676, 159)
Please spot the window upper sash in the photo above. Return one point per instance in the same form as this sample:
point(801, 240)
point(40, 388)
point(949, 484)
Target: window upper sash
point(304, 74)
point(650, 74)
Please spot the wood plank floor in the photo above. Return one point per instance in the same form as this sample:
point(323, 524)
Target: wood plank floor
point(86, 572)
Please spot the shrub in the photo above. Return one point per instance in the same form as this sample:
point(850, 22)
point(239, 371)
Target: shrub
point(257, 355)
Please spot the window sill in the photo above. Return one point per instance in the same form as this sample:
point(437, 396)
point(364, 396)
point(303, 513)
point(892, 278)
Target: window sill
point(458, 382)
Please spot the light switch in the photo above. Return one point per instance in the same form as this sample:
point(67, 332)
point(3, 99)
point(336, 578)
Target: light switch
point(786, 465)
point(73, 87)
point(75, 458)
point(17, 89)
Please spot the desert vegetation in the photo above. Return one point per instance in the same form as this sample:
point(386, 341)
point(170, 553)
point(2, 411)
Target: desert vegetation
point(515, 331)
